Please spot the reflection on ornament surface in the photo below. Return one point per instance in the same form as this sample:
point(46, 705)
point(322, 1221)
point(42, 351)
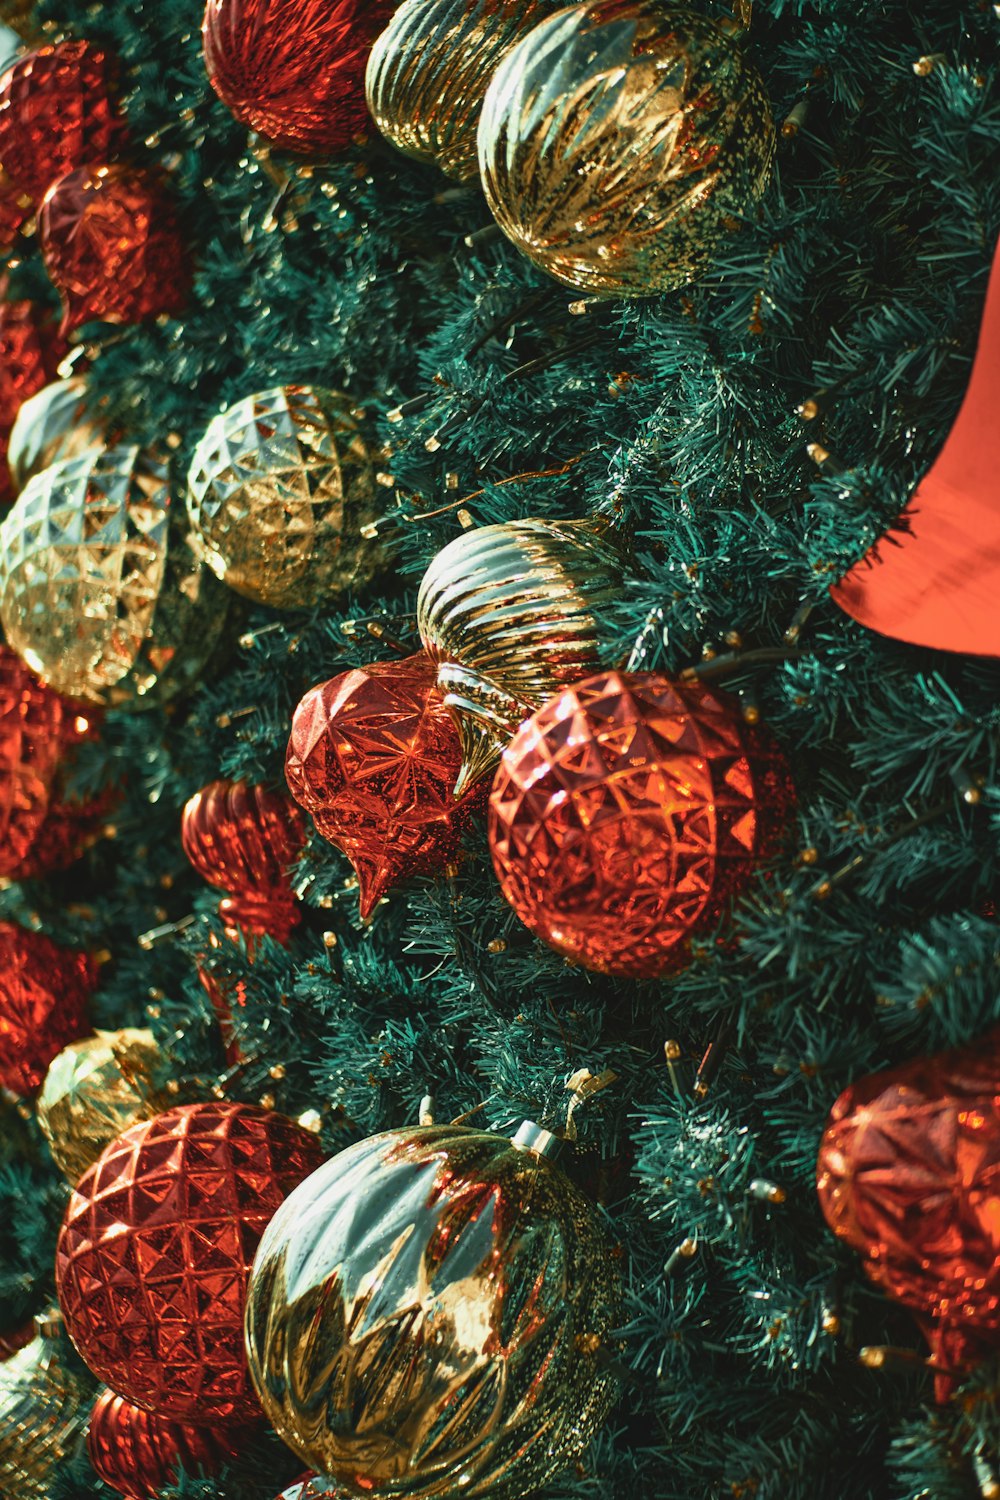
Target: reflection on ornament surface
point(43, 1414)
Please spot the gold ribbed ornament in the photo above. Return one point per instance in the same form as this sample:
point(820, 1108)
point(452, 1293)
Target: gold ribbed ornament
point(427, 1313)
point(94, 1090)
point(98, 593)
point(621, 141)
point(43, 1417)
point(509, 615)
point(281, 493)
point(57, 423)
point(428, 73)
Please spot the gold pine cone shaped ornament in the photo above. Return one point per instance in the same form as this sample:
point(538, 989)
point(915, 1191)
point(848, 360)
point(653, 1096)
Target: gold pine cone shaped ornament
point(99, 594)
point(620, 142)
point(509, 614)
point(94, 1090)
point(282, 498)
point(426, 1315)
point(428, 73)
point(43, 1416)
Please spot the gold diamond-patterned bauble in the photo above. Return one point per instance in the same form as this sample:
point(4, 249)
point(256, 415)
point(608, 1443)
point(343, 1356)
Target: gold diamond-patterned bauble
point(281, 495)
point(43, 1416)
point(428, 72)
point(94, 1090)
point(621, 141)
point(427, 1313)
point(509, 614)
point(98, 593)
point(58, 422)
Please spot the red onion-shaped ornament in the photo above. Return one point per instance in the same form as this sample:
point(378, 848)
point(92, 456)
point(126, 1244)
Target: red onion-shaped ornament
point(244, 839)
point(112, 247)
point(294, 70)
point(44, 993)
point(30, 351)
point(373, 756)
point(628, 812)
point(138, 1454)
point(155, 1251)
point(908, 1177)
point(58, 111)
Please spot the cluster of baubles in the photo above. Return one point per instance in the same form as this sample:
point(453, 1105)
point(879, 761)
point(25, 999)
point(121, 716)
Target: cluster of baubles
point(617, 141)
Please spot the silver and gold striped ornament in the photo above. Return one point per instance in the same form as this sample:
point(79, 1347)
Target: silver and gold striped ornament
point(44, 1408)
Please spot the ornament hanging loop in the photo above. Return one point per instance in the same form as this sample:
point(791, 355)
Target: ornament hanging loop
point(739, 21)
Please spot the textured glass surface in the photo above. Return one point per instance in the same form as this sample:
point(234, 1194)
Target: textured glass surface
point(508, 615)
point(429, 70)
point(620, 141)
point(53, 424)
point(138, 1453)
point(244, 839)
point(43, 1413)
point(57, 113)
point(425, 1316)
point(44, 990)
point(155, 1250)
point(373, 756)
point(96, 595)
point(628, 812)
point(281, 489)
point(94, 1089)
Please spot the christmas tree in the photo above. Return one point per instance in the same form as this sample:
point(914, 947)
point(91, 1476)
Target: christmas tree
point(735, 444)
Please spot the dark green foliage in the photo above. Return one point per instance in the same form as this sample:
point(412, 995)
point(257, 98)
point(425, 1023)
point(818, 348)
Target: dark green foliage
point(863, 274)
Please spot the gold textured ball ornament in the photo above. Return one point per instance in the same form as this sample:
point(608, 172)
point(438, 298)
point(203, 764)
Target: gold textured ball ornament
point(427, 1313)
point(99, 592)
point(43, 1416)
point(281, 495)
point(94, 1090)
point(620, 141)
point(509, 614)
point(58, 422)
point(428, 72)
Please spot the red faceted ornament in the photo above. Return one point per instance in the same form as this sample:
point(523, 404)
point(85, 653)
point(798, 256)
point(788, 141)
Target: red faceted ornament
point(30, 351)
point(16, 208)
point(44, 990)
point(42, 829)
point(909, 1175)
point(139, 1454)
point(628, 812)
point(155, 1251)
point(294, 70)
point(112, 247)
point(934, 580)
point(57, 112)
point(374, 756)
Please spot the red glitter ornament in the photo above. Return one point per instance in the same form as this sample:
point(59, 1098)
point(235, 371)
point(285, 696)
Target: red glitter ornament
point(908, 1176)
point(44, 990)
point(30, 351)
point(628, 812)
point(294, 70)
point(57, 112)
point(112, 247)
point(41, 828)
point(374, 756)
point(138, 1453)
point(155, 1251)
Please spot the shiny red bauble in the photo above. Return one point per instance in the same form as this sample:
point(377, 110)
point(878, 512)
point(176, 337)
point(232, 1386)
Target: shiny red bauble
point(909, 1176)
point(30, 351)
point(57, 113)
point(294, 70)
point(155, 1251)
point(374, 756)
point(628, 812)
point(112, 247)
point(44, 995)
point(244, 839)
point(139, 1454)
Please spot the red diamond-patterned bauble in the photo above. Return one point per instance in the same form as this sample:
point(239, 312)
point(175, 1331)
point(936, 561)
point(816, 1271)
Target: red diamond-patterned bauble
point(909, 1175)
point(373, 756)
point(16, 208)
point(112, 247)
point(30, 351)
point(628, 812)
point(44, 990)
point(138, 1453)
point(57, 112)
point(294, 70)
point(41, 828)
point(155, 1251)
point(244, 839)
